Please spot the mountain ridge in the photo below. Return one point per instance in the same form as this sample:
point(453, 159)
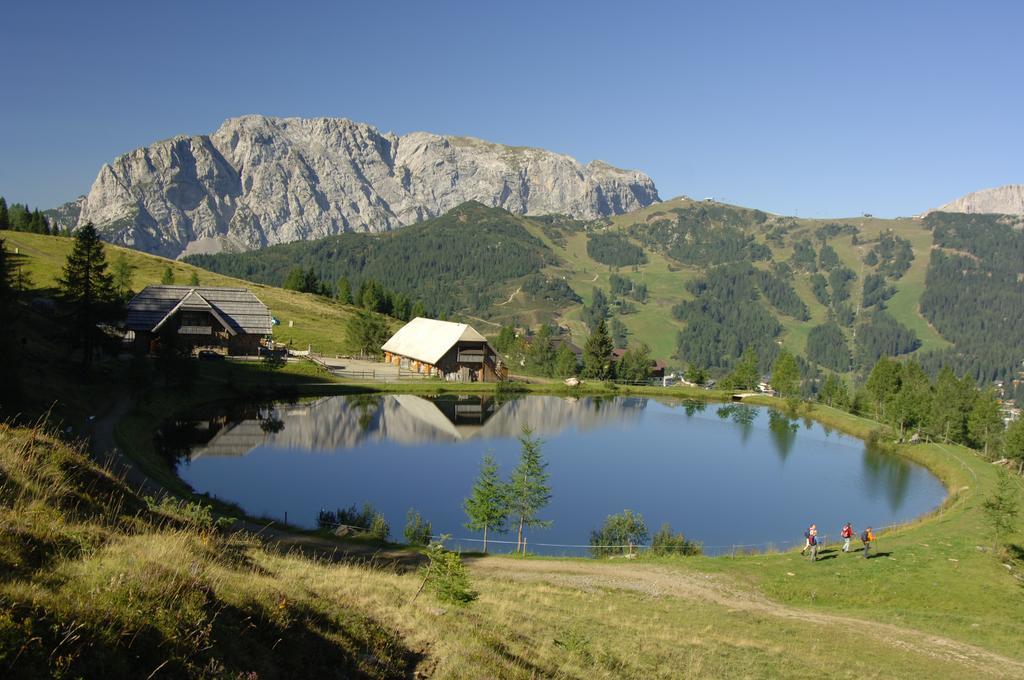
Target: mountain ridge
point(260, 180)
point(1007, 199)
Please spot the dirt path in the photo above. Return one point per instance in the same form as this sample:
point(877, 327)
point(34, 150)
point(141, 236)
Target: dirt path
point(514, 293)
point(477, 318)
point(657, 581)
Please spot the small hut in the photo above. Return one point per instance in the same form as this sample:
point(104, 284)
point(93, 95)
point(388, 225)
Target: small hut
point(453, 351)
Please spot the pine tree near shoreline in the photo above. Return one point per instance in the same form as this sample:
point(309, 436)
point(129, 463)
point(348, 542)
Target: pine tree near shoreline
point(87, 287)
point(528, 489)
point(487, 505)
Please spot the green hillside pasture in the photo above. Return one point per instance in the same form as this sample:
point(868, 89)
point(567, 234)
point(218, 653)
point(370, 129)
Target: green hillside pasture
point(937, 574)
point(316, 321)
point(794, 332)
point(653, 322)
point(905, 305)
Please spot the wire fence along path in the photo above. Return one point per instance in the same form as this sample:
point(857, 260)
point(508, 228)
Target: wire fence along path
point(714, 550)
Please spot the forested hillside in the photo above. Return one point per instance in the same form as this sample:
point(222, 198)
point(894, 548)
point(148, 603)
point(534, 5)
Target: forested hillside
point(458, 262)
point(975, 293)
point(699, 282)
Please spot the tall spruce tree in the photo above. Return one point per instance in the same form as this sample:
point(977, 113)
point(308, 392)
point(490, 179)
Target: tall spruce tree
point(87, 288)
point(984, 424)
point(167, 278)
point(344, 293)
point(5, 220)
point(1001, 509)
point(487, 505)
point(948, 417)
point(528, 490)
point(597, 359)
point(883, 383)
point(1013, 447)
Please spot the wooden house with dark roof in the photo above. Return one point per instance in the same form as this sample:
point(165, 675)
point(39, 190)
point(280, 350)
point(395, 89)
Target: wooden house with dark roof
point(232, 319)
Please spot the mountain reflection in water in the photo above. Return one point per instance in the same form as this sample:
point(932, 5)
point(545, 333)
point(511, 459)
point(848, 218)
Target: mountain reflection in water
point(340, 422)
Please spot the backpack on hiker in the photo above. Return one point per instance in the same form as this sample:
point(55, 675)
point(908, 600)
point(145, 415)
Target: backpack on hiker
point(865, 537)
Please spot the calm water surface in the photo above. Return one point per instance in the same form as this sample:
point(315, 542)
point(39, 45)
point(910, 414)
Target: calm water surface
point(721, 474)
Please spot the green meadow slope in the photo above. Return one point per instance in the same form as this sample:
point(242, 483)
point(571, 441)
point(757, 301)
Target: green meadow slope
point(305, 319)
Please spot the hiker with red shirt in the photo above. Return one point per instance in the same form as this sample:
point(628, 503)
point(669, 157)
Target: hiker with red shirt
point(847, 534)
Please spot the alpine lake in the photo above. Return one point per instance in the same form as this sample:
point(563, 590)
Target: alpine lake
point(732, 476)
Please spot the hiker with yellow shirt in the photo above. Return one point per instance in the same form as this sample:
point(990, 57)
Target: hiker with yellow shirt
point(867, 537)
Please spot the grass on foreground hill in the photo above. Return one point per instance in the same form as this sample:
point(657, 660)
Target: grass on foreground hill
point(97, 582)
point(315, 321)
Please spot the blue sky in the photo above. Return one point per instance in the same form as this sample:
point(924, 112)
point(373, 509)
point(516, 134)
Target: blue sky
point(826, 109)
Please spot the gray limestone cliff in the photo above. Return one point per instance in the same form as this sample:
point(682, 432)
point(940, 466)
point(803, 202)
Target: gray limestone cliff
point(259, 181)
point(1006, 200)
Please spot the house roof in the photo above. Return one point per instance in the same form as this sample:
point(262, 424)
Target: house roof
point(238, 309)
point(429, 339)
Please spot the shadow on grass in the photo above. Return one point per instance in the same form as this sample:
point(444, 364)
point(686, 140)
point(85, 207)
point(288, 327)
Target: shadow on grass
point(229, 640)
point(391, 558)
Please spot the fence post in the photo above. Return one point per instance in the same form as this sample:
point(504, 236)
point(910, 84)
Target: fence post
point(734, 551)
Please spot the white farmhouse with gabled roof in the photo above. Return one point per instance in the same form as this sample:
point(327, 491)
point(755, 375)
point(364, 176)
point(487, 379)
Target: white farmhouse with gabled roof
point(453, 351)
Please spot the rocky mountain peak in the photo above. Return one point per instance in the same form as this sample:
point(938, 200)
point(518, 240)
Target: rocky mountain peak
point(261, 180)
point(1006, 200)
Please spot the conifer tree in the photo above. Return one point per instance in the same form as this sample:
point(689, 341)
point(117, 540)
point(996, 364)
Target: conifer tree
point(597, 362)
point(193, 279)
point(1013, 447)
point(883, 383)
point(167, 278)
point(87, 287)
point(123, 272)
point(528, 491)
point(948, 417)
point(984, 424)
point(487, 505)
point(5, 221)
point(635, 364)
point(1001, 509)
point(565, 362)
point(541, 355)
point(344, 291)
